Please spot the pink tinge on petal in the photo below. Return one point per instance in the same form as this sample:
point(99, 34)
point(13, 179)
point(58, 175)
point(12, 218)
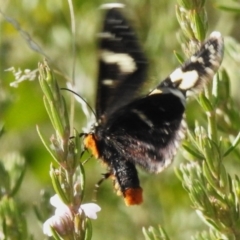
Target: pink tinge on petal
point(53, 222)
point(61, 224)
point(62, 219)
point(90, 210)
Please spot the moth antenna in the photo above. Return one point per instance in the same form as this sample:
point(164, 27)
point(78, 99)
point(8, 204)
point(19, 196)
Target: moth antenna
point(91, 109)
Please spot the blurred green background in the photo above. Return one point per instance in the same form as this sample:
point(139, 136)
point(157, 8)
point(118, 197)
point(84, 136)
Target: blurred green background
point(47, 24)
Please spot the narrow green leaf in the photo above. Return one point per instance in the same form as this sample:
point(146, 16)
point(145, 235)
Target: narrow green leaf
point(65, 115)
point(47, 106)
point(179, 57)
point(229, 9)
point(55, 234)
point(192, 137)
point(88, 231)
point(207, 173)
point(234, 145)
point(163, 234)
point(82, 180)
point(200, 25)
point(43, 80)
point(146, 234)
point(1, 130)
point(46, 145)
point(57, 120)
point(205, 103)
point(185, 4)
point(212, 153)
point(18, 182)
point(223, 181)
point(57, 185)
point(223, 88)
point(192, 151)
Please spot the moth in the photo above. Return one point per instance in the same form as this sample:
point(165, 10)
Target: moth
point(141, 130)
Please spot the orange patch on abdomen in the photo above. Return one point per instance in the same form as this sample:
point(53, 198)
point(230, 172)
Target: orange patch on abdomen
point(90, 143)
point(133, 196)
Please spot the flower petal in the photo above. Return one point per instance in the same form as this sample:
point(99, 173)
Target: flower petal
point(90, 210)
point(47, 226)
point(61, 208)
point(56, 201)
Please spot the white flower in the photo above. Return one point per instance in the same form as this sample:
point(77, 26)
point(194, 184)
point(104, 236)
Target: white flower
point(62, 220)
point(90, 210)
point(61, 208)
point(62, 224)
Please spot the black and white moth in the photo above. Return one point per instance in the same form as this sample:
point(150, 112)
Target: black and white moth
point(142, 130)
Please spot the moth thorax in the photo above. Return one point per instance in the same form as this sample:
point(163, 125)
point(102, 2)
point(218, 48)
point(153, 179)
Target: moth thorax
point(90, 143)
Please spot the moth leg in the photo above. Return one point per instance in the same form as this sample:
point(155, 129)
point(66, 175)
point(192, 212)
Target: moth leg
point(97, 185)
point(85, 161)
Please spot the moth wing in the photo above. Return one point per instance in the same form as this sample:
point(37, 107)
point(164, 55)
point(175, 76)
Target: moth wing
point(200, 68)
point(122, 64)
point(148, 130)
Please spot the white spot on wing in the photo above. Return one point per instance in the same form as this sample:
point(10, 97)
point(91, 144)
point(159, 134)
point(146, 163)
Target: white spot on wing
point(143, 117)
point(176, 75)
point(107, 35)
point(166, 131)
point(215, 34)
point(197, 59)
point(193, 58)
point(125, 62)
point(112, 5)
point(155, 91)
point(211, 49)
point(209, 57)
point(209, 71)
point(189, 79)
point(214, 63)
point(108, 82)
